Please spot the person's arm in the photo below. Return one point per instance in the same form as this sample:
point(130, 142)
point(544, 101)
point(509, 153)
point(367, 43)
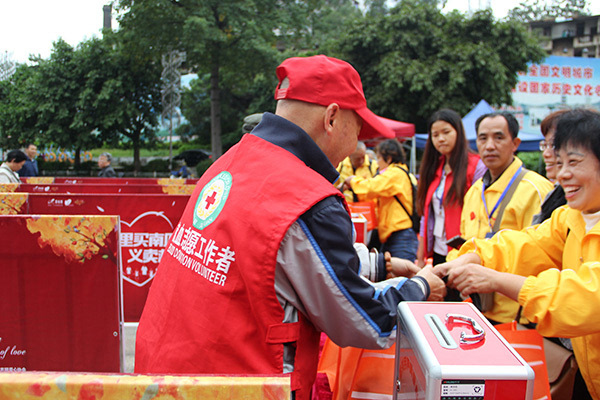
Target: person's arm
point(317, 272)
point(564, 303)
point(421, 248)
point(471, 278)
point(387, 184)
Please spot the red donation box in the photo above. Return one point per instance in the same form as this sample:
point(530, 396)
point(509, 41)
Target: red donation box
point(450, 351)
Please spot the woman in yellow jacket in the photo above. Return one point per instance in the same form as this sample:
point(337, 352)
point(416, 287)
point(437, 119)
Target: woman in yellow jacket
point(551, 269)
point(391, 187)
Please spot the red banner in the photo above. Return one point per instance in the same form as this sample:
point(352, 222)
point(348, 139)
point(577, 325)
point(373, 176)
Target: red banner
point(120, 181)
point(147, 222)
point(60, 293)
point(56, 188)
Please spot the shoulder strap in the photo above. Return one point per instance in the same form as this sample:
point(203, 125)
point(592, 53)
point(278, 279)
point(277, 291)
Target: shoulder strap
point(413, 194)
point(507, 198)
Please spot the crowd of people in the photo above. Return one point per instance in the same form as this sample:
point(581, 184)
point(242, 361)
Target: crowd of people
point(264, 257)
point(283, 265)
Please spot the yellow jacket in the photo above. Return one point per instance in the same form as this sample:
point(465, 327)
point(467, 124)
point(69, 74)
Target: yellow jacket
point(367, 170)
point(562, 291)
point(524, 204)
point(383, 187)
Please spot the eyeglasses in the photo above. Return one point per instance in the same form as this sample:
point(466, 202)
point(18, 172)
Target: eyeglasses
point(545, 145)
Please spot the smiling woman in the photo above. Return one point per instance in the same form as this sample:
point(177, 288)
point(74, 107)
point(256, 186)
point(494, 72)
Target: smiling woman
point(551, 269)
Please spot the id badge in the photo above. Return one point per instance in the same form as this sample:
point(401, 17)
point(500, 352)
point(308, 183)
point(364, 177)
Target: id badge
point(489, 235)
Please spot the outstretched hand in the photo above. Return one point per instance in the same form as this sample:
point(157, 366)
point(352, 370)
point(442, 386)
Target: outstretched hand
point(437, 286)
point(396, 267)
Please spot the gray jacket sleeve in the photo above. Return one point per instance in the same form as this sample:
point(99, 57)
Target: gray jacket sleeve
point(318, 274)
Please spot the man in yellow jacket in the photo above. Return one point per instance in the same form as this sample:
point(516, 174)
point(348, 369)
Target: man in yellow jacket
point(552, 269)
point(359, 164)
point(507, 193)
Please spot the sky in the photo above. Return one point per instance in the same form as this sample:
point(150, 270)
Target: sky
point(31, 26)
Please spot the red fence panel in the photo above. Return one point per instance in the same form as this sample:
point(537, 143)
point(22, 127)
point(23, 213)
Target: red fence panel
point(147, 222)
point(60, 293)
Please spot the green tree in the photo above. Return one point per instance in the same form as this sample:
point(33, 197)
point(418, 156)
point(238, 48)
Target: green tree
point(18, 117)
point(121, 93)
point(227, 40)
point(536, 10)
point(234, 46)
point(59, 83)
point(80, 98)
point(416, 59)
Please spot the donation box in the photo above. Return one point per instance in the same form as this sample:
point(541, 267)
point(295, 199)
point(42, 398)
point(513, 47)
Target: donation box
point(450, 351)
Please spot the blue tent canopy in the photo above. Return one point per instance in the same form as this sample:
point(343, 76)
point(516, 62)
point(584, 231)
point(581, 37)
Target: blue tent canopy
point(530, 141)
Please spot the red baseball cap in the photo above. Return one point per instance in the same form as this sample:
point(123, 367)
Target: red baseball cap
point(324, 80)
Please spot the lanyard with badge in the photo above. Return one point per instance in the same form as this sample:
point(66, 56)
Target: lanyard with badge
point(489, 214)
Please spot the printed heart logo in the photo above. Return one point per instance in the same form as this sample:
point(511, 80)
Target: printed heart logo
point(67, 202)
point(143, 240)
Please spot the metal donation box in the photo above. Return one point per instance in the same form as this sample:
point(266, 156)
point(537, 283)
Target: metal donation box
point(450, 351)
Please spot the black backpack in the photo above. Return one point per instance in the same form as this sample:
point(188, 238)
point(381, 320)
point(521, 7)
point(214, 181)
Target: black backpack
point(414, 217)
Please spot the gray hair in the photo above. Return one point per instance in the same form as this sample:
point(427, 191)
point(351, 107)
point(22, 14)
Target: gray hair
point(107, 155)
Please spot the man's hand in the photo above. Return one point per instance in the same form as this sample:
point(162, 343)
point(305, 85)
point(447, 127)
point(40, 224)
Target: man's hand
point(399, 267)
point(436, 285)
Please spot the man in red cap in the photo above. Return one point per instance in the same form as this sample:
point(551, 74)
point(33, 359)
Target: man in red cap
point(263, 260)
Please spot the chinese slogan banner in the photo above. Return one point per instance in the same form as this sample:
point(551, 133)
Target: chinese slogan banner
point(555, 83)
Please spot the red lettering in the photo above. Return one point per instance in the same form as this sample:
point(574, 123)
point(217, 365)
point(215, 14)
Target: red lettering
point(533, 70)
point(556, 88)
point(566, 88)
point(545, 88)
point(522, 87)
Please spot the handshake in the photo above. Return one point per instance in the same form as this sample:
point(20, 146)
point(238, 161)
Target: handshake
point(396, 267)
point(465, 273)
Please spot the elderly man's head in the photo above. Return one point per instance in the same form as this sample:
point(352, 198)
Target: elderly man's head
point(358, 157)
point(324, 96)
point(104, 160)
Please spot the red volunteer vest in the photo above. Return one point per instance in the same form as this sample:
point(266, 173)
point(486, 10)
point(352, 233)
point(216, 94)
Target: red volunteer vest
point(452, 211)
point(212, 307)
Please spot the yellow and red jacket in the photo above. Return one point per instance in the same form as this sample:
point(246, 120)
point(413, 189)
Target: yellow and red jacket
point(562, 292)
point(390, 182)
point(367, 170)
point(524, 204)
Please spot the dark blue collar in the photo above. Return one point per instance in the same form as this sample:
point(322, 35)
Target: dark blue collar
point(291, 137)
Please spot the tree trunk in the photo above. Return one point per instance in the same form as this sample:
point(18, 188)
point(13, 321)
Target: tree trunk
point(77, 157)
point(137, 165)
point(215, 110)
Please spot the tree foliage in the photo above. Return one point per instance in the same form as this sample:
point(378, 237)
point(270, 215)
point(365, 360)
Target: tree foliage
point(233, 45)
point(416, 60)
point(537, 10)
point(80, 98)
